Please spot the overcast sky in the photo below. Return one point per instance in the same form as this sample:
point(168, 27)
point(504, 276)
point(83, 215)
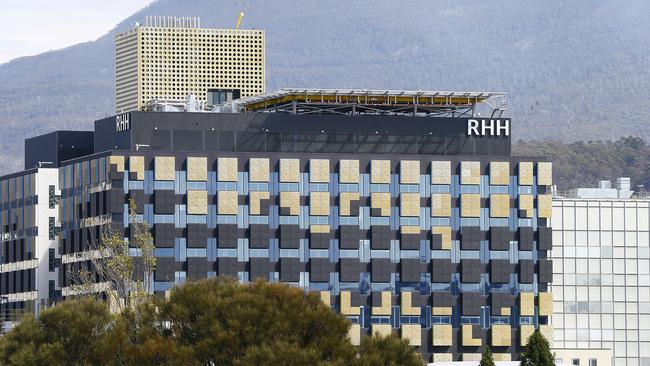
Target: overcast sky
point(29, 27)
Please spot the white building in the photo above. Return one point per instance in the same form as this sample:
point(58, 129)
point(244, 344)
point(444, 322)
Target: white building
point(601, 284)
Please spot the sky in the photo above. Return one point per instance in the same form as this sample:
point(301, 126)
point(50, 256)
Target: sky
point(30, 27)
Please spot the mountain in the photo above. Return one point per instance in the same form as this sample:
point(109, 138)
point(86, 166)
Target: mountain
point(575, 70)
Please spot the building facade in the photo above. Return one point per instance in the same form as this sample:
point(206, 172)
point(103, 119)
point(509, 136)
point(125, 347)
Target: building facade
point(395, 212)
point(29, 246)
point(601, 284)
point(168, 59)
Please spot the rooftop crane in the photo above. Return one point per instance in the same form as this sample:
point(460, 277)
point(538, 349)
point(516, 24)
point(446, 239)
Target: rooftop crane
point(239, 18)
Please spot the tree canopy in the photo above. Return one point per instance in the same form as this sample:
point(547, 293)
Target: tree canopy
point(212, 322)
point(583, 164)
point(537, 351)
point(486, 358)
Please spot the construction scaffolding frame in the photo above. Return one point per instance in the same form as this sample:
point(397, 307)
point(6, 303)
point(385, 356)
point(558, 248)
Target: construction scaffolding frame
point(374, 102)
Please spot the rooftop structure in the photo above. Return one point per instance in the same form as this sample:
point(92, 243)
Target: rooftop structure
point(382, 102)
point(169, 58)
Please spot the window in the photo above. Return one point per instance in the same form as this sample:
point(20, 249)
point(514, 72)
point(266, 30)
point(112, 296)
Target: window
point(593, 362)
point(575, 361)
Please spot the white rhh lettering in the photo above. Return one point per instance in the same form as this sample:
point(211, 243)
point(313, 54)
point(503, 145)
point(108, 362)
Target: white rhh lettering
point(488, 127)
point(122, 122)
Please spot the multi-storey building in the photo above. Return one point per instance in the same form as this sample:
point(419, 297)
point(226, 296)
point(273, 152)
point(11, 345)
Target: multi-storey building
point(169, 58)
point(601, 278)
point(402, 210)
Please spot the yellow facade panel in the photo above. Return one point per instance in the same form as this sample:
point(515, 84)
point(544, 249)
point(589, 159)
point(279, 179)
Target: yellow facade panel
point(544, 173)
point(470, 172)
point(410, 204)
point(527, 304)
point(345, 199)
point(501, 335)
point(197, 202)
point(319, 171)
point(227, 169)
point(259, 169)
point(499, 205)
point(545, 303)
point(381, 330)
point(525, 173)
point(289, 170)
point(319, 203)
point(136, 165)
point(197, 168)
point(441, 172)
point(255, 198)
point(441, 310)
point(349, 171)
point(443, 357)
point(445, 233)
point(164, 168)
point(290, 200)
point(354, 333)
point(502, 356)
point(380, 171)
point(544, 206)
point(326, 298)
point(547, 332)
point(526, 205)
point(385, 307)
point(227, 202)
point(409, 172)
point(468, 336)
point(499, 173)
point(406, 305)
point(410, 229)
point(346, 304)
point(319, 229)
point(470, 205)
point(381, 201)
point(440, 205)
point(118, 161)
point(442, 334)
point(472, 357)
point(413, 334)
point(525, 331)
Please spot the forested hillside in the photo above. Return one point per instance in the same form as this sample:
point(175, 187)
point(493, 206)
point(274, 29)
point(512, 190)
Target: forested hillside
point(583, 164)
point(575, 70)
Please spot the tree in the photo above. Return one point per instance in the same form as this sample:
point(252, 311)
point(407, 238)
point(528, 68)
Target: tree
point(219, 321)
point(487, 359)
point(537, 351)
point(71, 333)
point(387, 351)
point(112, 270)
point(212, 322)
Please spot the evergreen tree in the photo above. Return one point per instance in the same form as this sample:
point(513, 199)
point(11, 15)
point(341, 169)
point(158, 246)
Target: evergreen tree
point(387, 351)
point(487, 359)
point(537, 352)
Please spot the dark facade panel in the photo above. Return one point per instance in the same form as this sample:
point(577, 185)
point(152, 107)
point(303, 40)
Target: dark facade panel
point(410, 270)
point(500, 270)
point(545, 238)
point(470, 238)
point(381, 269)
point(320, 269)
point(471, 270)
point(526, 235)
point(380, 237)
point(500, 238)
point(227, 236)
point(260, 235)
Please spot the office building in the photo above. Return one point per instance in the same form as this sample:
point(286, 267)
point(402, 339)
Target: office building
point(169, 58)
point(400, 209)
point(601, 281)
